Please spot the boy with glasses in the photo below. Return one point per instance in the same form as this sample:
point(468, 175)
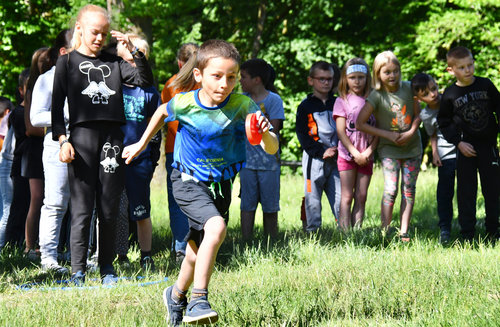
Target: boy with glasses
point(317, 135)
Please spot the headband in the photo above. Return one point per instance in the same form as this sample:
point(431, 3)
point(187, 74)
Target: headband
point(356, 68)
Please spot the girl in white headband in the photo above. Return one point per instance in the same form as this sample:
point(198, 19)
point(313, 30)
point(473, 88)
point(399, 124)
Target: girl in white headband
point(355, 159)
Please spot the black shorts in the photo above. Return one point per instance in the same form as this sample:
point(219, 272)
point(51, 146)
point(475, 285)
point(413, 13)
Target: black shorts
point(201, 201)
point(32, 166)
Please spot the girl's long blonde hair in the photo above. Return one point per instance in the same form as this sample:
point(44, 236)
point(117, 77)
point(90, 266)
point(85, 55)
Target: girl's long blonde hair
point(344, 87)
point(77, 38)
point(380, 61)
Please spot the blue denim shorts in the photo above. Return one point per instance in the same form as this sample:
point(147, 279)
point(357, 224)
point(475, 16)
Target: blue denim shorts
point(260, 186)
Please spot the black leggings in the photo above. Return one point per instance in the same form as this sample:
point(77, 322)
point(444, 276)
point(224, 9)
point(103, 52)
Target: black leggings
point(96, 176)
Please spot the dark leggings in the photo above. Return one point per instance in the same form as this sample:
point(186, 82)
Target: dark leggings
point(486, 162)
point(96, 175)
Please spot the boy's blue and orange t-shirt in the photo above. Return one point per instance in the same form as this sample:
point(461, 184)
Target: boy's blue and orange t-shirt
point(210, 141)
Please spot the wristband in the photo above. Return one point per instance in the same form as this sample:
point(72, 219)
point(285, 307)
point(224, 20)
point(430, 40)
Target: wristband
point(134, 52)
point(62, 142)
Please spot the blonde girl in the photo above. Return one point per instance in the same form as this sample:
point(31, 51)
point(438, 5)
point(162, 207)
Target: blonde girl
point(91, 81)
point(355, 160)
point(397, 120)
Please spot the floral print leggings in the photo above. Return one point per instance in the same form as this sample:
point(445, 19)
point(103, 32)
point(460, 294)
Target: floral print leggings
point(409, 172)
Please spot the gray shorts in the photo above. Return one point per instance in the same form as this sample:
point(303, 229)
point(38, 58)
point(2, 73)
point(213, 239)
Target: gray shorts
point(200, 201)
point(260, 186)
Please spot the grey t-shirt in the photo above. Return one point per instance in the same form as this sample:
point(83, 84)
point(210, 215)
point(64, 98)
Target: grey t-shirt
point(445, 149)
point(257, 158)
point(393, 111)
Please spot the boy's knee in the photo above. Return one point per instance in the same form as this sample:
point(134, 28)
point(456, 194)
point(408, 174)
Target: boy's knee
point(190, 257)
point(215, 227)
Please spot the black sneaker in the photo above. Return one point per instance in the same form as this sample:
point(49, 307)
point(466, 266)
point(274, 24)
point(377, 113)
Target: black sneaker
point(200, 312)
point(174, 310)
point(147, 264)
point(444, 237)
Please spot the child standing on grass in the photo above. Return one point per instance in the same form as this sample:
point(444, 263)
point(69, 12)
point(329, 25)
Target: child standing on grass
point(140, 105)
point(183, 81)
point(56, 200)
point(16, 223)
point(400, 150)
point(91, 81)
point(355, 160)
point(425, 89)
point(317, 134)
point(260, 179)
point(467, 119)
point(209, 151)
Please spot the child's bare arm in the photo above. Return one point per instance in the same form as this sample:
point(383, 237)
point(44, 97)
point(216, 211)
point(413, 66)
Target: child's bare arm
point(435, 155)
point(156, 122)
point(370, 149)
point(363, 126)
point(341, 126)
point(269, 140)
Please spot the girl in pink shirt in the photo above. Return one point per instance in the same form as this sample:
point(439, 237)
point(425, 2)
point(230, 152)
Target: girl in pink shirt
point(355, 159)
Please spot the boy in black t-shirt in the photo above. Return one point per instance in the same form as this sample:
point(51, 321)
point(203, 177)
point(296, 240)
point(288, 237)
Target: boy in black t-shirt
point(467, 119)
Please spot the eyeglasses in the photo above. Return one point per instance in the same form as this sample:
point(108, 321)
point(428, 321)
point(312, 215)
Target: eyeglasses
point(323, 80)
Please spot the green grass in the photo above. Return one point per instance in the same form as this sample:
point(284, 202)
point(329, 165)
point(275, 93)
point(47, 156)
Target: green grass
point(328, 279)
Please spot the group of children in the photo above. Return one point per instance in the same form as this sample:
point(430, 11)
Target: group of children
point(387, 118)
point(104, 113)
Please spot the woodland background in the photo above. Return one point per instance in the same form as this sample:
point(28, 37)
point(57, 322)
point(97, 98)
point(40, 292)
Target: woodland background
point(289, 34)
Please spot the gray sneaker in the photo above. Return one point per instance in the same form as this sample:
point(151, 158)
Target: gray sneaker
point(199, 312)
point(174, 310)
point(54, 268)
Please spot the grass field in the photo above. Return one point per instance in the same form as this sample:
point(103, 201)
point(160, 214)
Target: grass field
point(328, 279)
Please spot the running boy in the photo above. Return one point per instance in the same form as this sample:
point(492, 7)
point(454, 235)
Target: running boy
point(317, 134)
point(209, 151)
point(425, 89)
point(467, 119)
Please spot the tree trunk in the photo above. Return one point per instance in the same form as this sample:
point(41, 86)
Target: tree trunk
point(261, 18)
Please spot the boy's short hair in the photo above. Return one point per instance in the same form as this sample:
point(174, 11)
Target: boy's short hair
point(4, 105)
point(213, 49)
point(457, 53)
point(321, 65)
point(380, 61)
point(420, 82)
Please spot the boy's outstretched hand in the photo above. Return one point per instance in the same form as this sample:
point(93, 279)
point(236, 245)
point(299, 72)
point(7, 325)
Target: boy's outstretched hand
point(131, 151)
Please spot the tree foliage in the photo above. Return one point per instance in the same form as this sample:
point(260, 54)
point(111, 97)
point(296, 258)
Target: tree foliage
point(289, 34)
